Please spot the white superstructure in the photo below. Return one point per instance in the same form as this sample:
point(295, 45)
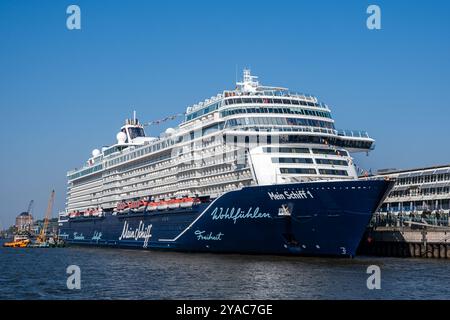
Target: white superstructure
point(253, 135)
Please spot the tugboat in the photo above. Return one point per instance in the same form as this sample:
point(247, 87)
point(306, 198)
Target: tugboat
point(19, 241)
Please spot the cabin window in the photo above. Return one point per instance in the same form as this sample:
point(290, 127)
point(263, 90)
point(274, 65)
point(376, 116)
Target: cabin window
point(292, 160)
point(297, 171)
point(332, 162)
point(332, 172)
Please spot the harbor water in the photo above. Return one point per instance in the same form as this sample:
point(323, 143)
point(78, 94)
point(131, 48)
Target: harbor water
point(137, 274)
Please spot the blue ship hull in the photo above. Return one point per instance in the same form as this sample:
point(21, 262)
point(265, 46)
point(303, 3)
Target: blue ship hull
point(318, 218)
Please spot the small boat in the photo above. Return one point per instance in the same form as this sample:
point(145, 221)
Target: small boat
point(19, 241)
point(162, 205)
point(40, 245)
point(125, 211)
point(174, 203)
point(124, 208)
point(187, 202)
point(96, 213)
point(141, 206)
point(153, 206)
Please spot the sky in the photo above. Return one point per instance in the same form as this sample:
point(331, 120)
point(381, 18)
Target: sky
point(66, 92)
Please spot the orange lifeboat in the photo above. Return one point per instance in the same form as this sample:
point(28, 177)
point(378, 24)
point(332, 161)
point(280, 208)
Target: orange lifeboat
point(153, 206)
point(163, 205)
point(174, 203)
point(97, 212)
point(141, 206)
point(187, 202)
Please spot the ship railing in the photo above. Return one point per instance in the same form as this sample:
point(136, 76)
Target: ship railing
point(281, 129)
point(353, 133)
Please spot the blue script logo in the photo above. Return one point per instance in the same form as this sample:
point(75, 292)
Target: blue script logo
point(202, 236)
point(235, 214)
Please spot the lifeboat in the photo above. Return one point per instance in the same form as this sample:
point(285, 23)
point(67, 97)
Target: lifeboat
point(74, 214)
point(126, 210)
point(141, 206)
point(163, 205)
point(133, 206)
point(187, 202)
point(122, 207)
point(153, 206)
point(95, 213)
point(174, 203)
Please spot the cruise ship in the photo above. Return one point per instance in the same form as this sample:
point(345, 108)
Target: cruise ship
point(254, 170)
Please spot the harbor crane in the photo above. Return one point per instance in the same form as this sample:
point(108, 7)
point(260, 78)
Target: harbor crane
point(30, 207)
point(42, 238)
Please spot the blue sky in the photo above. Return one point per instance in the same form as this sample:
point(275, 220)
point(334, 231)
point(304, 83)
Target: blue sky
point(64, 93)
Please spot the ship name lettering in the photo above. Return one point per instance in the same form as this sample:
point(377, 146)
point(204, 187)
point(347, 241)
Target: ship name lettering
point(298, 194)
point(276, 196)
point(291, 195)
point(141, 232)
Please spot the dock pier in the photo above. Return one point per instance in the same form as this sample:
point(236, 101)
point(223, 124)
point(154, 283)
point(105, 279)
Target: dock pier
point(414, 239)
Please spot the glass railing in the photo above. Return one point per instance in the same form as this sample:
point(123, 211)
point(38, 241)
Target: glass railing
point(353, 133)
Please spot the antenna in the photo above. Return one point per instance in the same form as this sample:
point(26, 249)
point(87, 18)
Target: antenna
point(134, 116)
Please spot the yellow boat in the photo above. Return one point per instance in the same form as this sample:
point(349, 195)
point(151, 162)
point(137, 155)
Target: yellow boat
point(18, 242)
